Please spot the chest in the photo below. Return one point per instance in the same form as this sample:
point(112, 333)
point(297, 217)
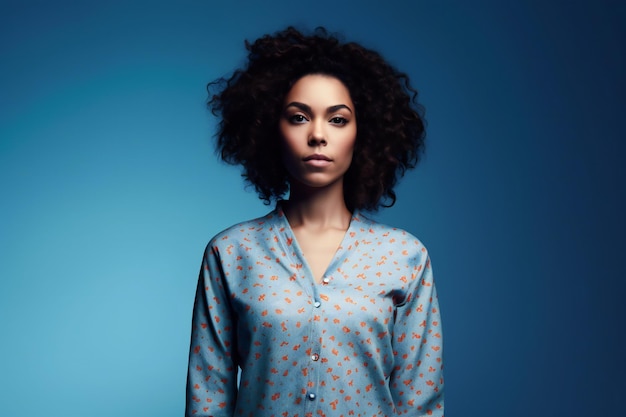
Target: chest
point(319, 249)
point(276, 295)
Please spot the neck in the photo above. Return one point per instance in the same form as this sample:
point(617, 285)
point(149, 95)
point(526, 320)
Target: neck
point(317, 207)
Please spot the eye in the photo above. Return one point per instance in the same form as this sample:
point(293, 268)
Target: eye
point(338, 120)
point(297, 119)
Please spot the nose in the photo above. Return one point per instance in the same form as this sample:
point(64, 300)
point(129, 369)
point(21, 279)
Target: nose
point(317, 136)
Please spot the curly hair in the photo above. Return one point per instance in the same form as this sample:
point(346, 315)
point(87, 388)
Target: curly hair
point(390, 124)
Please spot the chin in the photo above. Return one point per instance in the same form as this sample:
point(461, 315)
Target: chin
point(318, 183)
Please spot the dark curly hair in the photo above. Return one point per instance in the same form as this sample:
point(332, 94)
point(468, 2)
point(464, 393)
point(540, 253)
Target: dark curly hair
point(390, 124)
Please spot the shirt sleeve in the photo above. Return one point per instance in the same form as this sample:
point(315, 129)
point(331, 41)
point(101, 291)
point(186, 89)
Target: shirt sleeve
point(212, 373)
point(416, 381)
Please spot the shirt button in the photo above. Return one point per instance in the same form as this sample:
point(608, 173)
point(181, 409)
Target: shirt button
point(317, 304)
point(315, 357)
point(311, 396)
point(326, 280)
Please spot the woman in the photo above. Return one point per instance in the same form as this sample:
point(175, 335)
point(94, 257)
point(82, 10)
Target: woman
point(325, 312)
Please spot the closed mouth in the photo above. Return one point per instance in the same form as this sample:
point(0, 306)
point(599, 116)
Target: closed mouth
point(317, 157)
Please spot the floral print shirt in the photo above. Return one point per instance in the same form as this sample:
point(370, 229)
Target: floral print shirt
point(365, 341)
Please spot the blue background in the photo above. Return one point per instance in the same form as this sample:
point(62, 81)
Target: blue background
point(110, 189)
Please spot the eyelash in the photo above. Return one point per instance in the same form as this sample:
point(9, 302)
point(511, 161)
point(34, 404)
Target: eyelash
point(339, 120)
point(299, 118)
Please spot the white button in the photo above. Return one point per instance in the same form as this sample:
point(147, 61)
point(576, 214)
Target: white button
point(315, 356)
point(317, 304)
point(311, 396)
point(326, 280)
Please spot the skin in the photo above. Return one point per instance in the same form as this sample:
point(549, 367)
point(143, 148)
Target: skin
point(318, 131)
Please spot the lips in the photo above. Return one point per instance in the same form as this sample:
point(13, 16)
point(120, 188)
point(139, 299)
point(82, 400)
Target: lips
point(317, 157)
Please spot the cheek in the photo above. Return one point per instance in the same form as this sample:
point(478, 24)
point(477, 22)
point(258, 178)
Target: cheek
point(289, 153)
point(348, 144)
point(286, 142)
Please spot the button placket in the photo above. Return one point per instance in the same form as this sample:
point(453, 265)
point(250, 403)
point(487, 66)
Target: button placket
point(315, 341)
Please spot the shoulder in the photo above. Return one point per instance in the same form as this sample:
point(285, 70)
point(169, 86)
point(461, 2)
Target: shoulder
point(389, 238)
point(246, 231)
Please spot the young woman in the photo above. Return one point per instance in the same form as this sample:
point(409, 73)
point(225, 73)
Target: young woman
point(324, 311)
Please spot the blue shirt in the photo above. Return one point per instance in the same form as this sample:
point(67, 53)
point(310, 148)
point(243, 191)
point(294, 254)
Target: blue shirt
point(366, 341)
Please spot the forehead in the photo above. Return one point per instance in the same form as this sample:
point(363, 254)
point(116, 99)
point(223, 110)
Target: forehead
point(319, 89)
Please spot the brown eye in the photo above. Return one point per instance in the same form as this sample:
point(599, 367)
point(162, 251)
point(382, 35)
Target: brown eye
point(297, 119)
point(339, 120)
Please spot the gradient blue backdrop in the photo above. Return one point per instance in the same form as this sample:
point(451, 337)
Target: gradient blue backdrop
point(110, 189)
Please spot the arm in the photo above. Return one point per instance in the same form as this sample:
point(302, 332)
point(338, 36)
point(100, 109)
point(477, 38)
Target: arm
point(212, 373)
point(416, 382)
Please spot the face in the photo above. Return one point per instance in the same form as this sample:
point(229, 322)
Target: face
point(318, 128)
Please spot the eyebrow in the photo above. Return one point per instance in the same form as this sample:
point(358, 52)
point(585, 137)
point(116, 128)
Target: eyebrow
point(307, 109)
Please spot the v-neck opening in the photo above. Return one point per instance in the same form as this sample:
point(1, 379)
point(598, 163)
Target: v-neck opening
point(297, 249)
